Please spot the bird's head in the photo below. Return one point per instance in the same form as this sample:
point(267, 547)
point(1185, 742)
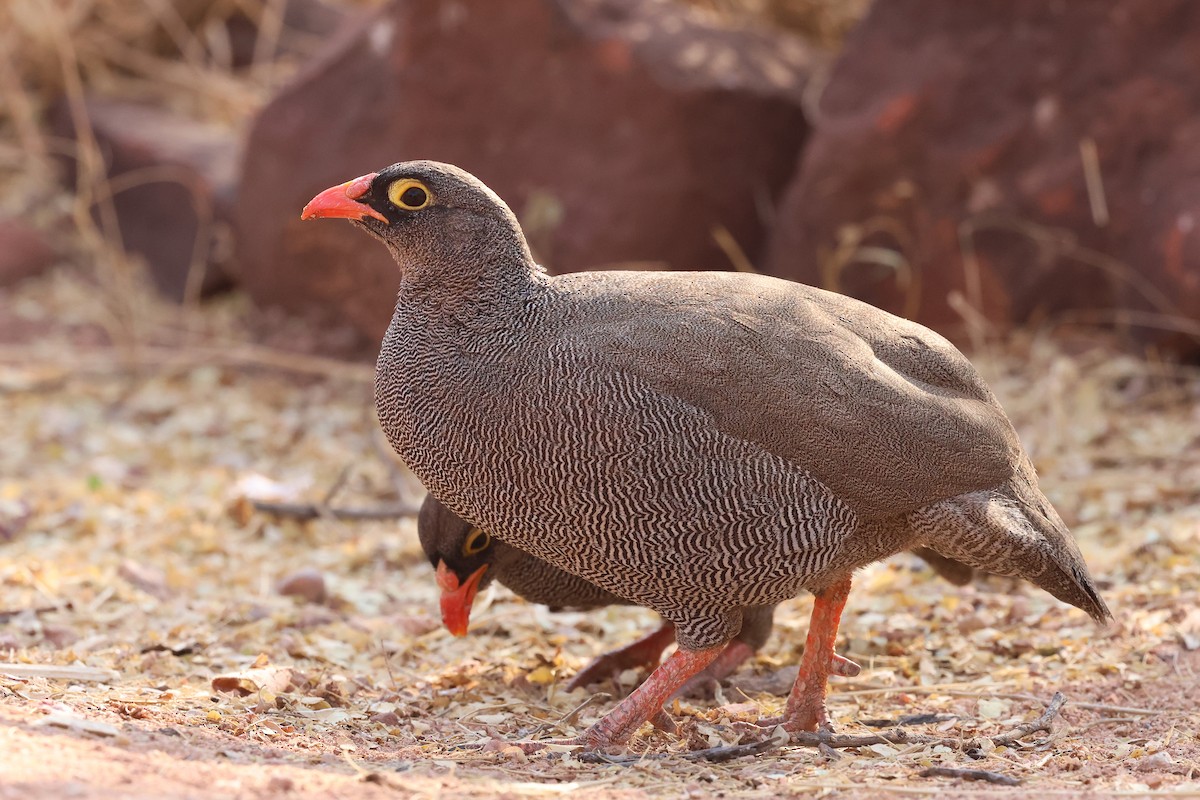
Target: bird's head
point(431, 216)
point(461, 553)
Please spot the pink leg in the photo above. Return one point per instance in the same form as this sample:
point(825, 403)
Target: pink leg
point(733, 656)
point(806, 703)
point(737, 653)
point(646, 701)
point(644, 652)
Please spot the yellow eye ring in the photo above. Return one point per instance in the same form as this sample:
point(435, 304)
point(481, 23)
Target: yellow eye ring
point(477, 541)
point(409, 194)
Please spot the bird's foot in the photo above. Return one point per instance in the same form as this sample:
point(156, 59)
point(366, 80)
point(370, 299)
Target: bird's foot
point(661, 720)
point(645, 703)
point(805, 711)
point(812, 718)
point(736, 653)
point(644, 652)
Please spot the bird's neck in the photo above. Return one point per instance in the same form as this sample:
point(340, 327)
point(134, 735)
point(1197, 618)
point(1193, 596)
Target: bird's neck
point(485, 286)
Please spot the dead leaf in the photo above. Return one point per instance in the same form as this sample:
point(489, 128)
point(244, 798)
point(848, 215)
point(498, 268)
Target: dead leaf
point(275, 680)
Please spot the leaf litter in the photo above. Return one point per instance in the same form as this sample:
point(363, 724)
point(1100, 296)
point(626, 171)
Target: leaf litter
point(150, 627)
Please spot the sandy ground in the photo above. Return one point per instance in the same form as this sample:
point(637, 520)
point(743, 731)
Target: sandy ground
point(131, 555)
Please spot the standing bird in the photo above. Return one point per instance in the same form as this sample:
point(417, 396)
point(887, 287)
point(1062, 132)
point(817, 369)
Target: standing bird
point(698, 443)
point(468, 558)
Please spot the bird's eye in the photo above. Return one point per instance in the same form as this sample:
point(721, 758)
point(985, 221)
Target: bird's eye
point(477, 541)
point(409, 194)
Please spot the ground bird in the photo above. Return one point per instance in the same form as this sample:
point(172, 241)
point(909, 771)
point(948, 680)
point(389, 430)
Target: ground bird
point(698, 443)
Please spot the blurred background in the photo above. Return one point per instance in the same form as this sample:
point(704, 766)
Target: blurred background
point(192, 481)
point(972, 166)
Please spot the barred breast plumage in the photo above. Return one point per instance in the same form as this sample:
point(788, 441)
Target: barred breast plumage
point(698, 443)
point(467, 558)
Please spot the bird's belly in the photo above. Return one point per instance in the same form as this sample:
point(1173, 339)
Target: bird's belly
point(632, 490)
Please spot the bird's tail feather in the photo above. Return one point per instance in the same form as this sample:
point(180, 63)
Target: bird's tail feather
point(1013, 531)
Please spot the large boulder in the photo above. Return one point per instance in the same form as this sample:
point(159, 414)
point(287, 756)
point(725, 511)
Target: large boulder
point(619, 130)
point(1017, 159)
point(172, 181)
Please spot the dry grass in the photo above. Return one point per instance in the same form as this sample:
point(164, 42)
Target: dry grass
point(821, 21)
point(173, 54)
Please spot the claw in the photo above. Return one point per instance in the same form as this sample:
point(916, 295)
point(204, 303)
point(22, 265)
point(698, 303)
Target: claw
point(646, 702)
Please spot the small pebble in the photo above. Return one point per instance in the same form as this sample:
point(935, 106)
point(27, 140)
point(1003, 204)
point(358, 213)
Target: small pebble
point(59, 636)
point(1160, 761)
point(279, 783)
point(308, 584)
point(514, 753)
point(150, 580)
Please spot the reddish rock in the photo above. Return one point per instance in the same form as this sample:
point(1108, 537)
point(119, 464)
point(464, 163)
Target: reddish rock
point(24, 252)
point(946, 123)
point(304, 25)
point(150, 580)
point(307, 584)
point(173, 180)
point(619, 131)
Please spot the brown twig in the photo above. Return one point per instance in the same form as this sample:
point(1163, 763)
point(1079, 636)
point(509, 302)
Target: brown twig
point(908, 719)
point(829, 752)
point(733, 251)
point(21, 109)
point(713, 754)
point(7, 615)
point(1106, 721)
point(387, 665)
point(947, 689)
point(1042, 723)
point(102, 360)
point(305, 511)
point(826, 741)
point(55, 672)
point(338, 484)
point(730, 752)
point(970, 775)
point(841, 741)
